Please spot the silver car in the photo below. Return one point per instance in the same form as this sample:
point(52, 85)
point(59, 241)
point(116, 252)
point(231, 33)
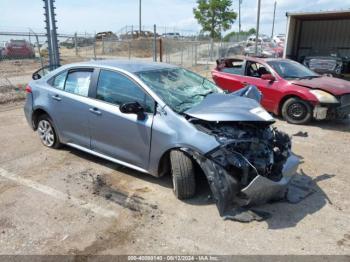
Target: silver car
point(162, 119)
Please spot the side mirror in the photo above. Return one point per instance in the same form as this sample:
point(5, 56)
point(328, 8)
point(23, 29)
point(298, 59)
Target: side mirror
point(268, 77)
point(36, 76)
point(133, 108)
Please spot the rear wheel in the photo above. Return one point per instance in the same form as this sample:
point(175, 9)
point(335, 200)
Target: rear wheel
point(296, 111)
point(47, 133)
point(183, 175)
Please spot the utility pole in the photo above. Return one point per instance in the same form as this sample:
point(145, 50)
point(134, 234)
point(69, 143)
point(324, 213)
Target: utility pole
point(273, 21)
point(51, 33)
point(140, 18)
point(257, 28)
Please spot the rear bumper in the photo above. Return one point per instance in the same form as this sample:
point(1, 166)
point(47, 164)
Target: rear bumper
point(28, 110)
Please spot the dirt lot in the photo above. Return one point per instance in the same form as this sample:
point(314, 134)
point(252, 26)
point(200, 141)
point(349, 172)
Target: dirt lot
point(67, 202)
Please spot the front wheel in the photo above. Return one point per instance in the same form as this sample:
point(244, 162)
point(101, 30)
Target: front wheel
point(183, 175)
point(296, 111)
point(47, 133)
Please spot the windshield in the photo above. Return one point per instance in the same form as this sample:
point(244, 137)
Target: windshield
point(291, 70)
point(179, 88)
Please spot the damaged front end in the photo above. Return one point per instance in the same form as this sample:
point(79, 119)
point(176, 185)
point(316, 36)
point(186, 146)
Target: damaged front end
point(253, 164)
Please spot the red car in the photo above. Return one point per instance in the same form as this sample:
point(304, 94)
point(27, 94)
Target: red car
point(289, 88)
point(18, 49)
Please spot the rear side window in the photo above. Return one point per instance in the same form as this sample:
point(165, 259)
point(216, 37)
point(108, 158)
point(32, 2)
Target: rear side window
point(118, 89)
point(59, 80)
point(78, 82)
point(233, 67)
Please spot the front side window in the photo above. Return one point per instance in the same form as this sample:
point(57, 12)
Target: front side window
point(118, 89)
point(78, 82)
point(256, 70)
point(179, 88)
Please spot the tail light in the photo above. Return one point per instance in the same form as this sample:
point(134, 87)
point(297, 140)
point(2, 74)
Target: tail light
point(28, 89)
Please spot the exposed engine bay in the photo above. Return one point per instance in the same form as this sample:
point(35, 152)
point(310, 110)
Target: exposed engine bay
point(249, 149)
point(247, 168)
point(253, 163)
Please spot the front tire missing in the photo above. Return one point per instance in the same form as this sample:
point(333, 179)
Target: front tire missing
point(296, 111)
point(183, 175)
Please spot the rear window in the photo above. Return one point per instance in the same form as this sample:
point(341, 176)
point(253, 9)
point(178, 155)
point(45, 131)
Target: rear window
point(59, 80)
point(232, 67)
point(18, 42)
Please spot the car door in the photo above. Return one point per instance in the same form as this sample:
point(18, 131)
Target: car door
point(122, 136)
point(69, 105)
point(229, 77)
point(268, 88)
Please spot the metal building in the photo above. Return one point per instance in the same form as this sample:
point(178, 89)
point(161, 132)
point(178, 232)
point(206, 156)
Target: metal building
point(317, 33)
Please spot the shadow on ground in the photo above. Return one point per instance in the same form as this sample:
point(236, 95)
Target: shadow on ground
point(286, 215)
point(283, 213)
point(341, 125)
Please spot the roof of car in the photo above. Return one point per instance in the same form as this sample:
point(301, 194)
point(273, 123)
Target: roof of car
point(132, 66)
point(255, 59)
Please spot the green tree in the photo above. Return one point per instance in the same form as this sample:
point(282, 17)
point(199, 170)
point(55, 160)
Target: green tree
point(214, 16)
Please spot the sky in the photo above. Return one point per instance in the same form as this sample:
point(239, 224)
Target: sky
point(92, 16)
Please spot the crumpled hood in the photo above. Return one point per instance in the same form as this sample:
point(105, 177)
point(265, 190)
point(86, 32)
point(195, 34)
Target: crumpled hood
point(331, 85)
point(225, 107)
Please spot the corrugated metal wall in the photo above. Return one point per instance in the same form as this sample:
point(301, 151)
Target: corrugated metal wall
point(324, 37)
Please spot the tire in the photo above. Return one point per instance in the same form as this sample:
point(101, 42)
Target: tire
point(47, 133)
point(183, 175)
point(296, 111)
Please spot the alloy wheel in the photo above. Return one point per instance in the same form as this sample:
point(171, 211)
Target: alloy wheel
point(46, 133)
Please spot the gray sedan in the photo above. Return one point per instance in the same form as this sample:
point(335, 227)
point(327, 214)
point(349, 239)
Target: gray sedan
point(162, 119)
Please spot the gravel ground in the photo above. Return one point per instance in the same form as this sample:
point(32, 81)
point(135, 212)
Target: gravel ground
point(67, 202)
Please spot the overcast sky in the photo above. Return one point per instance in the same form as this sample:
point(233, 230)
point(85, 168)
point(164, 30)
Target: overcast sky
point(100, 15)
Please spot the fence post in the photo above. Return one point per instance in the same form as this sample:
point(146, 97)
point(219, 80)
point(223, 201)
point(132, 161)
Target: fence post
point(182, 54)
point(192, 56)
point(155, 43)
point(160, 50)
point(129, 49)
point(94, 49)
point(103, 45)
point(208, 57)
point(75, 44)
point(195, 53)
point(211, 48)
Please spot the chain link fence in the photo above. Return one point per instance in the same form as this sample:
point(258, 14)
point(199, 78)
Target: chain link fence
point(20, 57)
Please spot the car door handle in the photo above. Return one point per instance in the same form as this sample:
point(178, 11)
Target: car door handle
point(245, 83)
point(95, 111)
point(56, 97)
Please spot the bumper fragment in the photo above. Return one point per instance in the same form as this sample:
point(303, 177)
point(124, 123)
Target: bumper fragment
point(227, 190)
point(262, 190)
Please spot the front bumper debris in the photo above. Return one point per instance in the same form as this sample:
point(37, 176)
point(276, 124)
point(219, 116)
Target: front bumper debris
point(333, 111)
point(228, 193)
point(262, 190)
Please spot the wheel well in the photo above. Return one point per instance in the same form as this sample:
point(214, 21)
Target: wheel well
point(164, 163)
point(36, 114)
